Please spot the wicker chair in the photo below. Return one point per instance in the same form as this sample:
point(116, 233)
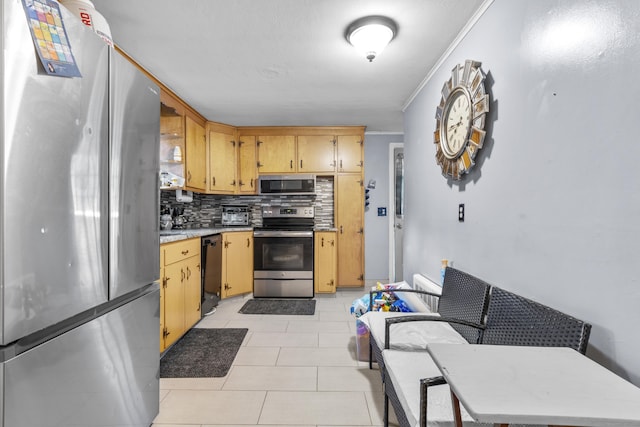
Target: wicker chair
point(511, 320)
point(462, 304)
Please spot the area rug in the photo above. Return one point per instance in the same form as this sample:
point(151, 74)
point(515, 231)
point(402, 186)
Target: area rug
point(279, 306)
point(202, 353)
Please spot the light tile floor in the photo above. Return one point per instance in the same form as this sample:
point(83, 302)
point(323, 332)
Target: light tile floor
point(290, 371)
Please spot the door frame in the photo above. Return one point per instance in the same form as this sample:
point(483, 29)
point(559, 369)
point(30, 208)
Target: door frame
point(392, 209)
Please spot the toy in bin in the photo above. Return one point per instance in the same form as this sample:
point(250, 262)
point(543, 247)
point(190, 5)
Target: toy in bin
point(387, 300)
point(383, 300)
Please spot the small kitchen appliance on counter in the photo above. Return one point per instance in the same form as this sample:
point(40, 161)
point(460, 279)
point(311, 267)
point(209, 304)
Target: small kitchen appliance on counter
point(235, 215)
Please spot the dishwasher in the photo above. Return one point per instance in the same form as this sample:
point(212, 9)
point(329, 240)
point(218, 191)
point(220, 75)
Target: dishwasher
point(211, 273)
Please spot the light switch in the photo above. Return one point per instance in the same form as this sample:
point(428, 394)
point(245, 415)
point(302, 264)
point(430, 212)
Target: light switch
point(382, 211)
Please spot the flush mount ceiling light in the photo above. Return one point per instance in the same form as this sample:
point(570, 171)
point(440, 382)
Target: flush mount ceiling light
point(371, 34)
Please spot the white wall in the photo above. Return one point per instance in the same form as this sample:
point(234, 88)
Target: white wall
point(376, 236)
point(553, 205)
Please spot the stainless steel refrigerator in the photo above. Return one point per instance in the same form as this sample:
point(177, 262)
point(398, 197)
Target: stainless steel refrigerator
point(79, 257)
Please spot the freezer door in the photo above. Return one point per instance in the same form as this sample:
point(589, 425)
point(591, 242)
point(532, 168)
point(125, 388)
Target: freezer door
point(134, 187)
point(103, 373)
point(54, 179)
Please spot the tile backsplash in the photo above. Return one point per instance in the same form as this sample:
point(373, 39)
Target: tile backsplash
point(206, 210)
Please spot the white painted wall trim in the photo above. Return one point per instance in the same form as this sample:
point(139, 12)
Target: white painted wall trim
point(376, 132)
point(461, 35)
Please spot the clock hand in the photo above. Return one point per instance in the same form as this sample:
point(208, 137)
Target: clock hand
point(456, 125)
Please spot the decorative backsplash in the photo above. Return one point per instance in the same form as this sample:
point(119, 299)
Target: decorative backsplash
point(206, 210)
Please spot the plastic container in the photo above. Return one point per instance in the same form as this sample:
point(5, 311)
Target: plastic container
point(362, 341)
point(443, 269)
point(87, 13)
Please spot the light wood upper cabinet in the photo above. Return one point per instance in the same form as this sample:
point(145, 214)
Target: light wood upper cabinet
point(276, 154)
point(350, 224)
point(196, 156)
point(316, 153)
point(222, 162)
point(172, 147)
point(248, 172)
point(350, 153)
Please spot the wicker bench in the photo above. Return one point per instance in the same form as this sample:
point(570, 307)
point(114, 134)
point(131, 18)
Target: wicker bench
point(463, 302)
point(411, 377)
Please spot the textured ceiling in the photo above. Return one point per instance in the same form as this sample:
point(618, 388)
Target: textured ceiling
point(286, 62)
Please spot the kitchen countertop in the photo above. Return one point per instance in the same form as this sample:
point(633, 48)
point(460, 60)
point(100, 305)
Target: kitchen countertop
point(167, 236)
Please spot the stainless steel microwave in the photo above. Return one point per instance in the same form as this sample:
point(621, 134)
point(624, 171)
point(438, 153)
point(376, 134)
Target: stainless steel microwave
point(287, 184)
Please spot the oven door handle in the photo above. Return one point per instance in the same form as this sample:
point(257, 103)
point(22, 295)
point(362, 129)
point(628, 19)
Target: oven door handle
point(263, 233)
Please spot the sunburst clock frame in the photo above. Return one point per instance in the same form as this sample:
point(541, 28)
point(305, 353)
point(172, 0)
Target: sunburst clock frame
point(460, 119)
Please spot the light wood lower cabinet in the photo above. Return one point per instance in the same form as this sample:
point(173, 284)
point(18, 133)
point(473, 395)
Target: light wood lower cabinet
point(237, 263)
point(180, 290)
point(325, 259)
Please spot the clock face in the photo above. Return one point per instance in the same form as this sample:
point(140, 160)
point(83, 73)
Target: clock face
point(460, 119)
point(456, 123)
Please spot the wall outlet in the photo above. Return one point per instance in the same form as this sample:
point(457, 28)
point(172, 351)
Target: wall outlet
point(461, 212)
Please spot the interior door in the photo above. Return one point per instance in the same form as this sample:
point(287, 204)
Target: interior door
point(397, 212)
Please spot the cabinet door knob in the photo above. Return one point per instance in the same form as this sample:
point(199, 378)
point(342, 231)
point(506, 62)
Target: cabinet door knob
point(300, 164)
point(290, 164)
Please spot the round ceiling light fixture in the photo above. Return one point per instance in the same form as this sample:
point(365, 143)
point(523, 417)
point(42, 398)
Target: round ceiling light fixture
point(371, 34)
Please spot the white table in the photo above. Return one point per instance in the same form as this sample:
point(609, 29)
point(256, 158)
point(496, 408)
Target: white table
point(535, 385)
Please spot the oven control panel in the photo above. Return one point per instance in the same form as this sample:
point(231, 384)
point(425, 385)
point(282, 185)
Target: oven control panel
point(288, 212)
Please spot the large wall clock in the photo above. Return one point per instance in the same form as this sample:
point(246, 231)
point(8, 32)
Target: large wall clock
point(460, 119)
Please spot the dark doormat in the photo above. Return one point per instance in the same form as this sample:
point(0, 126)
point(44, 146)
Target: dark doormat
point(279, 306)
point(202, 353)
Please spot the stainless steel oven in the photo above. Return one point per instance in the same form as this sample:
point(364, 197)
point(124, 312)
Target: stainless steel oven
point(283, 253)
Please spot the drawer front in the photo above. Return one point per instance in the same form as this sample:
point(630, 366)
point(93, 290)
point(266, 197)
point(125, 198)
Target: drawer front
point(178, 251)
